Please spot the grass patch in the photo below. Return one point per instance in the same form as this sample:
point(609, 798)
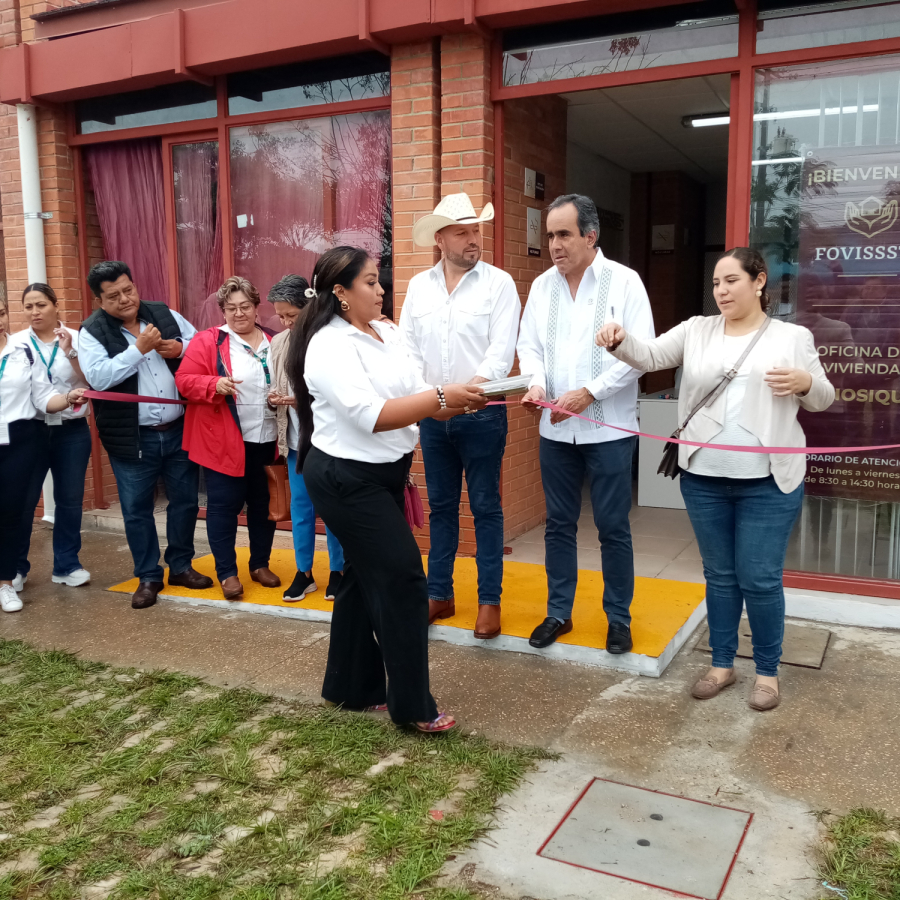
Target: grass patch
point(129, 784)
point(861, 855)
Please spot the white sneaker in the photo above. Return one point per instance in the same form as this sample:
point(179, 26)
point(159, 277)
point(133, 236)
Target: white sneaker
point(19, 582)
point(9, 599)
point(73, 579)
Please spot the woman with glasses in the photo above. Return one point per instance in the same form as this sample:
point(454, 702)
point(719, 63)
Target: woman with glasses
point(230, 429)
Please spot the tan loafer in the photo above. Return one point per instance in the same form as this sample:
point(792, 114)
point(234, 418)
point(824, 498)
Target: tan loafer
point(706, 688)
point(232, 588)
point(440, 609)
point(266, 577)
point(763, 697)
point(487, 625)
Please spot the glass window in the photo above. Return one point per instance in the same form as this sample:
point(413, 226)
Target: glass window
point(301, 187)
point(309, 84)
point(182, 102)
point(619, 43)
point(795, 26)
point(198, 231)
point(824, 212)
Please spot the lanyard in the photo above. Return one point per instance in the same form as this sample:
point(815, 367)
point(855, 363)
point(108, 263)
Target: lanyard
point(261, 360)
point(49, 365)
point(3, 366)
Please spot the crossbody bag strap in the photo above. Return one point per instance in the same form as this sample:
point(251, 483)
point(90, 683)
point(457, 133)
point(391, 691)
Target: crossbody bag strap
point(716, 392)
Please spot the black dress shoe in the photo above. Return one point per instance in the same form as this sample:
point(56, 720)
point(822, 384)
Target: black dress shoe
point(548, 631)
point(618, 638)
point(146, 593)
point(192, 579)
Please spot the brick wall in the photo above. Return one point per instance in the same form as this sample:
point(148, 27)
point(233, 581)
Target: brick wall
point(534, 138)
point(58, 198)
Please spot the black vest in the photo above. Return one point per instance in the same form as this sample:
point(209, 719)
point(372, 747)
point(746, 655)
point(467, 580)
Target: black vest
point(117, 423)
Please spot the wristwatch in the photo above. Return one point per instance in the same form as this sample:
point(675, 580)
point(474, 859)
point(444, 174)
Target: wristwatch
point(72, 354)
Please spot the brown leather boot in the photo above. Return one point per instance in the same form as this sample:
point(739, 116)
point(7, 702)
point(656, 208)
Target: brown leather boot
point(440, 609)
point(266, 577)
point(232, 588)
point(146, 593)
point(487, 625)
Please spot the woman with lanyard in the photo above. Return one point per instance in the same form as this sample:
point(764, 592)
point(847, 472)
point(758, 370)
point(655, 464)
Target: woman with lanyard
point(359, 396)
point(230, 430)
point(746, 376)
point(21, 396)
point(66, 436)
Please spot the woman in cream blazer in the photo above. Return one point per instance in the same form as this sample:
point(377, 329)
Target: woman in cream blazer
point(742, 506)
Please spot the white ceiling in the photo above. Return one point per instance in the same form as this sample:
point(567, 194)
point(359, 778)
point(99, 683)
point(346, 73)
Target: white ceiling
point(638, 127)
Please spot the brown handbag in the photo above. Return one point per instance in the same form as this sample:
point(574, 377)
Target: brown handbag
point(279, 491)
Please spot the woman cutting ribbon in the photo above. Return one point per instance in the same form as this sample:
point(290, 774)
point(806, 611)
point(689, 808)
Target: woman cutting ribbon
point(359, 396)
point(230, 430)
point(23, 393)
point(65, 438)
point(742, 505)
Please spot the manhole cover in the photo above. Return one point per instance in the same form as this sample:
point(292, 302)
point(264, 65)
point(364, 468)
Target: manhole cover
point(651, 838)
point(804, 645)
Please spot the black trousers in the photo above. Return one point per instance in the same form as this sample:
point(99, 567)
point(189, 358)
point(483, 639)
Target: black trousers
point(18, 459)
point(380, 623)
point(225, 498)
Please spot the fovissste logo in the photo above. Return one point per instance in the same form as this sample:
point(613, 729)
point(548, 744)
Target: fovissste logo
point(870, 217)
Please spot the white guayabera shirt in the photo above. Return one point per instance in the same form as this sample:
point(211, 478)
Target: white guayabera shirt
point(557, 349)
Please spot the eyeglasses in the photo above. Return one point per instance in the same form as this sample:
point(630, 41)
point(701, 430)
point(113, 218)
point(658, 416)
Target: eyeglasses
point(245, 309)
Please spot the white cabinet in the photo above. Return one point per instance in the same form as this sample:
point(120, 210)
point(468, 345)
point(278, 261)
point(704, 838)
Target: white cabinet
point(656, 417)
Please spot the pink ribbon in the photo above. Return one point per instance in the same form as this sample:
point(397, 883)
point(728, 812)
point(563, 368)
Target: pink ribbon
point(130, 398)
point(737, 449)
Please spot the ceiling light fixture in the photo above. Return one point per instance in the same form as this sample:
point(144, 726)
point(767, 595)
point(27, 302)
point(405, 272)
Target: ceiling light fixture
point(718, 119)
point(777, 162)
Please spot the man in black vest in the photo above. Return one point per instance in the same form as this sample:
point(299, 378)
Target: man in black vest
point(132, 346)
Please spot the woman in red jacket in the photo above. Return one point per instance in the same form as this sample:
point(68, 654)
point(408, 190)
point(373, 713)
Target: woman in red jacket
point(230, 430)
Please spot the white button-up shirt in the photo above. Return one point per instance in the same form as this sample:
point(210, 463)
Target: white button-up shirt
point(472, 331)
point(258, 423)
point(16, 386)
point(104, 372)
point(61, 376)
point(556, 346)
point(350, 376)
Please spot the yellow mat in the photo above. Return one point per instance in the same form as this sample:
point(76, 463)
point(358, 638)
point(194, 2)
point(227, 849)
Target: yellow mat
point(659, 609)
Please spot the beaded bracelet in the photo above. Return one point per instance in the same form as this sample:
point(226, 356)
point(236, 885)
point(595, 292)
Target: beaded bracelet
point(441, 398)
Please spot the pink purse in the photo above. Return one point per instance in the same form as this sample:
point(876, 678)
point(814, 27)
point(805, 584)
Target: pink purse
point(412, 504)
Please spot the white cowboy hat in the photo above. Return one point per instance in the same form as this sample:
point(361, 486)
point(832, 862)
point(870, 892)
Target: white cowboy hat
point(456, 209)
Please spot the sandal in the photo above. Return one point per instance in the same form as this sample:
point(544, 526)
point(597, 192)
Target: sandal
point(378, 707)
point(441, 724)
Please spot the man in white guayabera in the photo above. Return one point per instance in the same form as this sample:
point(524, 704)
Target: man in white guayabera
point(556, 348)
point(460, 320)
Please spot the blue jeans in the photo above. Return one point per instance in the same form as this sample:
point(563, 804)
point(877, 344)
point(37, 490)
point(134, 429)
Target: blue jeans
point(161, 455)
point(67, 449)
point(608, 467)
point(742, 528)
point(473, 444)
point(303, 524)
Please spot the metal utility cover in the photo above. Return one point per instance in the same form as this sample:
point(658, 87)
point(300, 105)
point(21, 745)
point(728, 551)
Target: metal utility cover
point(655, 839)
point(803, 645)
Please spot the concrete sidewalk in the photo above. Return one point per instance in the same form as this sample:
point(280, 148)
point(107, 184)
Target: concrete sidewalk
point(831, 745)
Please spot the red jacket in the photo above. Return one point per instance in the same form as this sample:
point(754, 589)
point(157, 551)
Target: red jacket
point(212, 431)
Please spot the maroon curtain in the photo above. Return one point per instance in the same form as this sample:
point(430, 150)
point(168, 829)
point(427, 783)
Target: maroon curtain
point(127, 177)
point(198, 229)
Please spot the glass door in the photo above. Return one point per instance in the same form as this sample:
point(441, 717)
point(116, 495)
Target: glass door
point(824, 212)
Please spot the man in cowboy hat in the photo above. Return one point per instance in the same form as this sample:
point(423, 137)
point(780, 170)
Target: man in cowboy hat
point(460, 321)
